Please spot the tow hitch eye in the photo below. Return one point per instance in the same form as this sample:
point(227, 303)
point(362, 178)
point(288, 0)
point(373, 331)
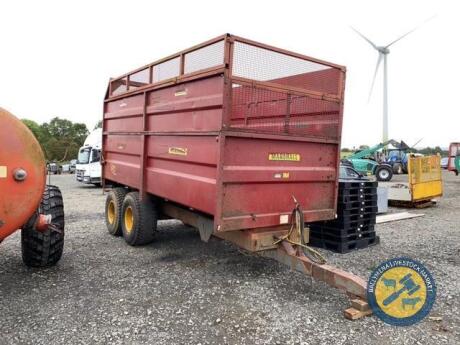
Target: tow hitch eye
point(19, 174)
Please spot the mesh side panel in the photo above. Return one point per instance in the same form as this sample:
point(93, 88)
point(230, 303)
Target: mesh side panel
point(209, 56)
point(119, 86)
point(425, 169)
point(166, 70)
point(263, 110)
point(139, 79)
point(261, 64)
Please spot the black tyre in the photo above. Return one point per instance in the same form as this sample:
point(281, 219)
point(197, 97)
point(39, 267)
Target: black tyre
point(42, 249)
point(397, 168)
point(383, 173)
point(139, 220)
point(113, 206)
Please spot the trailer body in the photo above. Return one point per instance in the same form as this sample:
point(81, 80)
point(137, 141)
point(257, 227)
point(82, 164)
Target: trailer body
point(232, 129)
point(236, 138)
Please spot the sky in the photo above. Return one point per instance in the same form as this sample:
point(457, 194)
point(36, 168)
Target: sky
point(56, 57)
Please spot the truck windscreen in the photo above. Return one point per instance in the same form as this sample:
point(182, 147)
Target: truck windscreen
point(83, 155)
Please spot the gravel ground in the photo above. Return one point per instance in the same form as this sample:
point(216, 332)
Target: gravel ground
point(179, 290)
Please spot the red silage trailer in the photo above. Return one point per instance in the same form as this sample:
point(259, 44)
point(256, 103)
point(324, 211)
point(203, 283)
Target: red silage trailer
point(228, 136)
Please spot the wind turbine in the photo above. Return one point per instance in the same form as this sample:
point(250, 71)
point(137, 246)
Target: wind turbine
point(383, 52)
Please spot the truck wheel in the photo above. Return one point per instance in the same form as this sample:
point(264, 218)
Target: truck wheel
point(42, 249)
point(397, 168)
point(113, 205)
point(383, 173)
point(139, 220)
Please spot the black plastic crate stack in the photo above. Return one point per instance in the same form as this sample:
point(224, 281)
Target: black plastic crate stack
point(354, 227)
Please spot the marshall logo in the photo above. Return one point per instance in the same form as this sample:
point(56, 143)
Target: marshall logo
point(294, 157)
point(177, 151)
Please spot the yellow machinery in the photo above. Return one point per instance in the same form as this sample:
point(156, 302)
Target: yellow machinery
point(424, 182)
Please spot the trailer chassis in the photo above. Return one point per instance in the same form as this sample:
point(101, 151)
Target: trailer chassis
point(265, 242)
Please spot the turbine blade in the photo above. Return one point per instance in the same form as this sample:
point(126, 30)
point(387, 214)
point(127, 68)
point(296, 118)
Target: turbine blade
point(411, 31)
point(379, 60)
point(364, 37)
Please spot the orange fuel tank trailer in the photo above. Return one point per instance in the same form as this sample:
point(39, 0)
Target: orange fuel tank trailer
point(26, 202)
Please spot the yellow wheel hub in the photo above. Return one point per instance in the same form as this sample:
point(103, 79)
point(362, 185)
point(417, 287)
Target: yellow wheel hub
point(111, 212)
point(129, 219)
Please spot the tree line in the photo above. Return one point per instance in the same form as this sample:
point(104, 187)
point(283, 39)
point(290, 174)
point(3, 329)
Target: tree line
point(425, 151)
point(59, 138)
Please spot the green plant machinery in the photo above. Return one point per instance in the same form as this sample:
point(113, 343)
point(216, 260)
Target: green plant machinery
point(370, 162)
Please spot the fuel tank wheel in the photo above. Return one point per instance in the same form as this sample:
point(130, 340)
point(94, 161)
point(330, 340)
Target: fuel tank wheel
point(113, 206)
point(42, 249)
point(139, 220)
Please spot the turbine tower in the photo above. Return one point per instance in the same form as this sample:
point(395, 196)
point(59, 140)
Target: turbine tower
point(383, 52)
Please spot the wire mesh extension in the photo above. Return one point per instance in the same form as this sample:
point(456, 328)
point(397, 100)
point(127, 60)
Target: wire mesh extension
point(258, 109)
point(166, 70)
point(206, 57)
point(425, 169)
point(139, 79)
point(262, 64)
point(119, 86)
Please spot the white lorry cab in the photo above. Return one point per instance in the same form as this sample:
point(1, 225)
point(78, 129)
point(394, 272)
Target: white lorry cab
point(88, 169)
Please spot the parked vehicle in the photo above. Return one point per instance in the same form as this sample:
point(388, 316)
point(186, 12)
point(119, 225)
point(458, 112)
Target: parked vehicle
point(349, 173)
point(444, 162)
point(383, 165)
point(65, 168)
point(397, 157)
point(88, 167)
point(454, 158)
point(26, 202)
point(225, 137)
point(73, 166)
point(54, 168)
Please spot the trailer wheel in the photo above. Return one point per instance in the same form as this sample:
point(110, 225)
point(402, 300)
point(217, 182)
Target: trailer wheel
point(113, 206)
point(383, 173)
point(139, 220)
point(42, 249)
